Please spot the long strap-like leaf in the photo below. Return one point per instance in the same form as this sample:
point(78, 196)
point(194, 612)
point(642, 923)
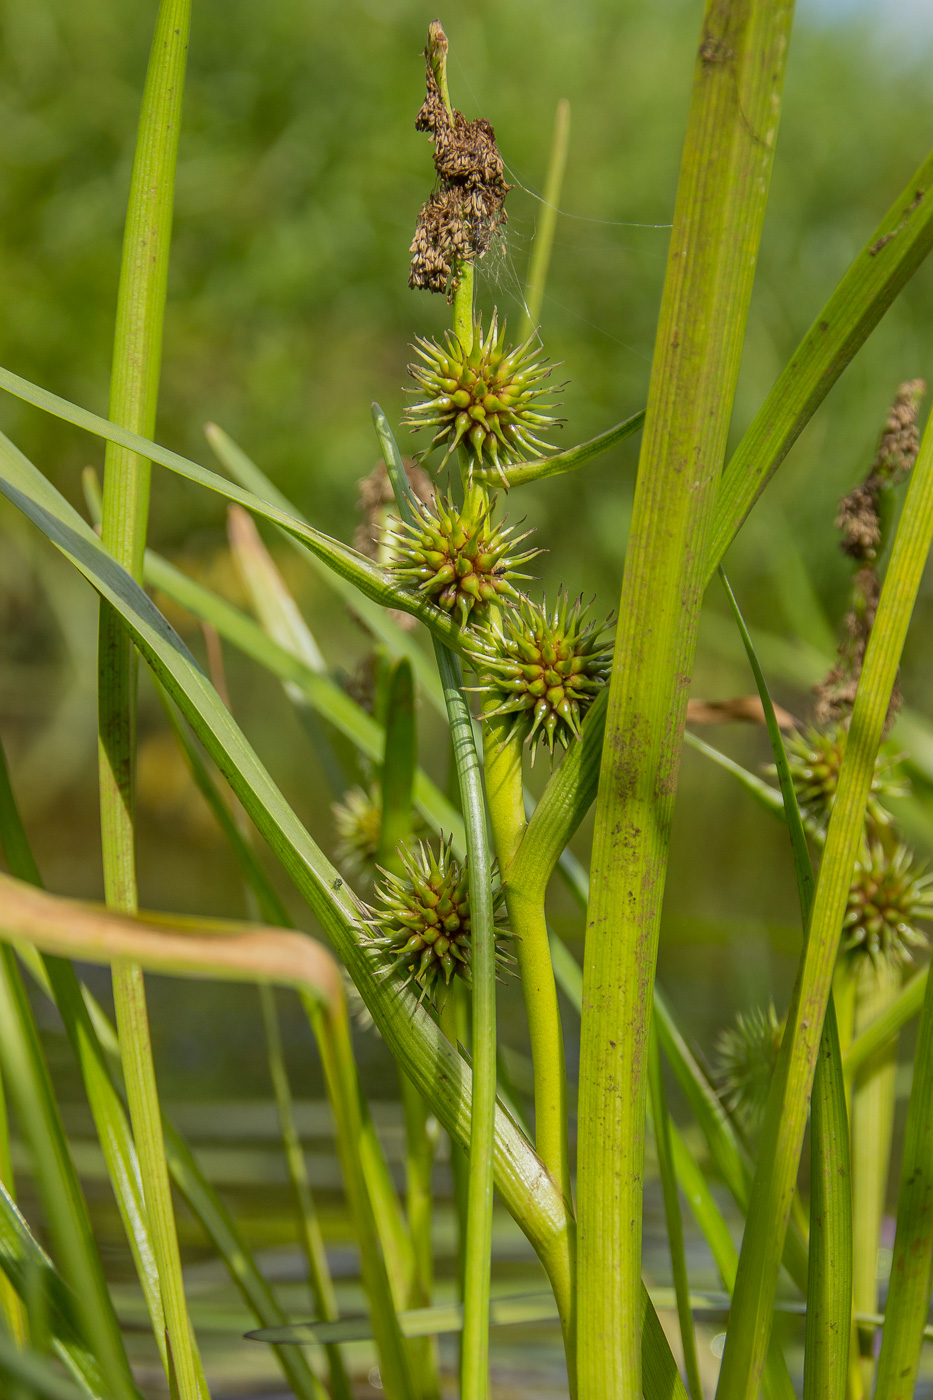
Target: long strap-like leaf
point(724, 180)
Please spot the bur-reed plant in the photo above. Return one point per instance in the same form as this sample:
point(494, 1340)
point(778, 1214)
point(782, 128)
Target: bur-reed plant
point(462, 877)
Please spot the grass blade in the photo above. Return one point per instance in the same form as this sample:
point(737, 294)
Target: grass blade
point(324, 695)
point(883, 1029)
point(675, 1228)
point(538, 468)
point(134, 389)
point(721, 198)
point(895, 250)
point(830, 1273)
point(412, 1036)
point(908, 1301)
point(371, 582)
point(383, 627)
point(547, 222)
point(785, 1119)
point(27, 1078)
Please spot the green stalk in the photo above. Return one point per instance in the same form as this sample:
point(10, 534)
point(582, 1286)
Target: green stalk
point(397, 784)
point(503, 752)
point(896, 1015)
point(718, 217)
point(27, 1077)
point(786, 1116)
point(675, 1225)
point(874, 1092)
point(312, 1240)
point(133, 398)
point(547, 221)
point(474, 1377)
point(331, 1028)
point(11, 1307)
point(829, 1274)
point(909, 1291)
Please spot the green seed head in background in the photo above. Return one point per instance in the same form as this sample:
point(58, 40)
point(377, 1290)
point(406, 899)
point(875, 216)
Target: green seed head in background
point(545, 668)
point(814, 757)
point(890, 895)
point(421, 920)
point(746, 1054)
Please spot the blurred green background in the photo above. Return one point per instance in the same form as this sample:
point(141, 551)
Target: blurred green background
point(299, 182)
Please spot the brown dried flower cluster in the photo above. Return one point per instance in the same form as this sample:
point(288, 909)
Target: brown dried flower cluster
point(860, 523)
point(459, 221)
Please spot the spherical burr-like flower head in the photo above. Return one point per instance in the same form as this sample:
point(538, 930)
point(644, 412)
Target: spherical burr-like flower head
point(358, 819)
point(814, 757)
point(421, 920)
point(460, 559)
point(889, 896)
point(544, 667)
point(746, 1054)
point(489, 400)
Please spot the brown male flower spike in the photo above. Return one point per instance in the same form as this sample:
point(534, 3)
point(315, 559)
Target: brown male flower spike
point(459, 221)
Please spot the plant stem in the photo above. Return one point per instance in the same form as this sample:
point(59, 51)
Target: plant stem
point(322, 1287)
point(531, 946)
point(718, 217)
point(133, 397)
point(874, 1092)
point(547, 221)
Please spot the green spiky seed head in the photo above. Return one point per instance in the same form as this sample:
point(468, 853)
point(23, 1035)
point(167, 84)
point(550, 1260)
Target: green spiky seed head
point(461, 559)
point(489, 399)
point(358, 819)
point(421, 919)
point(544, 667)
point(889, 896)
point(814, 757)
point(746, 1054)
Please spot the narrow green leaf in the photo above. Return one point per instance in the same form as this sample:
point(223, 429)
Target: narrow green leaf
point(399, 764)
point(895, 250)
point(28, 1269)
point(786, 1116)
point(829, 1278)
point(366, 577)
point(675, 1228)
point(540, 259)
point(281, 619)
point(384, 628)
point(36, 1374)
point(885, 1027)
point(324, 695)
point(908, 1302)
point(538, 468)
point(27, 1078)
point(412, 1036)
point(718, 216)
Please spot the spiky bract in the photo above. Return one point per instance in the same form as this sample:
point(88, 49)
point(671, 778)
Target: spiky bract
point(889, 896)
point(814, 757)
point(421, 920)
point(488, 399)
point(746, 1054)
point(545, 667)
point(459, 558)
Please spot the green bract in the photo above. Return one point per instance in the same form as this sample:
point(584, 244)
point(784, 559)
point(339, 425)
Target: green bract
point(421, 919)
point(461, 559)
point(545, 668)
point(889, 895)
point(487, 399)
